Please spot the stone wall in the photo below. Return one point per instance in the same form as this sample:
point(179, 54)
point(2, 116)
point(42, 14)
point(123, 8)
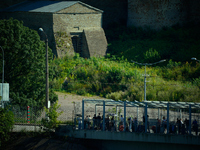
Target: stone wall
point(153, 13)
point(159, 13)
point(114, 10)
point(96, 42)
point(76, 22)
point(72, 19)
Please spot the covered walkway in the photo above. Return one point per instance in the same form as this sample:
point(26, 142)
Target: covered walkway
point(151, 120)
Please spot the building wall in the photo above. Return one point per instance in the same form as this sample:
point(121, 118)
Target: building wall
point(76, 18)
point(115, 11)
point(64, 21)
point(76, 22)
point(78, 8)
point(95, 41)
point(159, 13)
point(73, 21)
point(154, 13)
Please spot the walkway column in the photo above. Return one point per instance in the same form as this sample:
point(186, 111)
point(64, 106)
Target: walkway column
point(181, 114)
point(103, 115)
point(158, 113)
point(168, 118)
point(137, 112)
point(95, 109)
point(116, 111)
point(190, 119)
point(82, 114)
point(124, 115)
point(146, 118)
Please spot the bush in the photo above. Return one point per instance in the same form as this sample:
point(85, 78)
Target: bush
point(52, 123)
point(6, 124)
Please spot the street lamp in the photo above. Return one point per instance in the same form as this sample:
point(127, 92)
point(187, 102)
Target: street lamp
point(193, 58)
point(47, 69)
point(147, 64)
point(2, 105)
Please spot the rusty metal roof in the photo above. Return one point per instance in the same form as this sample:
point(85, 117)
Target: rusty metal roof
point(44, 6)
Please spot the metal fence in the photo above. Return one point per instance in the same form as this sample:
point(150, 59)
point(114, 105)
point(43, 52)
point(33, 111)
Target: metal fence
point(27, 115)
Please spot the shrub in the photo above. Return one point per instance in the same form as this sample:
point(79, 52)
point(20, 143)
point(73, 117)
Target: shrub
point(52, 123)
point(115, 95)
point(6, 124)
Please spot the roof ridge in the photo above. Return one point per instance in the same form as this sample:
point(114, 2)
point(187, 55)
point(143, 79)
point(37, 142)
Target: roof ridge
point(44, 6)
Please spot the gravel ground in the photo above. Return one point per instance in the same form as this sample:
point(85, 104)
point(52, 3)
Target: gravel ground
point(67, 101)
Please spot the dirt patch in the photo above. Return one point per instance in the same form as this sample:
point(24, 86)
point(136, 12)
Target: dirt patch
point(67, 101)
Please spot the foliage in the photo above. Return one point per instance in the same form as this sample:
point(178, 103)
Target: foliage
point(116, 78)
point(6, 124)
point(52, 114)
point(24, 55)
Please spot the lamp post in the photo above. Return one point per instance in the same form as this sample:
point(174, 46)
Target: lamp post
point(47, 69)
point(147, 64)
point(193, 58)
point(2, 105)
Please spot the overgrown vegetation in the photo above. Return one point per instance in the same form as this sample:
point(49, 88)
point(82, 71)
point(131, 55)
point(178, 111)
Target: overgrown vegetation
point(51, 122)
point(116, 78)
point(6, 124)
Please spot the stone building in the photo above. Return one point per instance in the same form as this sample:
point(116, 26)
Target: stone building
point(71, 26)
point(141, 13)
point(115, 11)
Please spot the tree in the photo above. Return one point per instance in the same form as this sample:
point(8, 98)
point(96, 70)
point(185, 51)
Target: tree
point(24, 55)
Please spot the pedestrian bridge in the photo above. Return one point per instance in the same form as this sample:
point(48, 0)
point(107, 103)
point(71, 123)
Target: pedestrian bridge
point(169, 134)
point(120, 140)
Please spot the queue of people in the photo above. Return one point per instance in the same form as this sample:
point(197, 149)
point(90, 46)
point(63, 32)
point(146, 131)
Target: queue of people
point(132, 125)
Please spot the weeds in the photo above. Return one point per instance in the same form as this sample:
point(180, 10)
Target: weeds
point(114, 76)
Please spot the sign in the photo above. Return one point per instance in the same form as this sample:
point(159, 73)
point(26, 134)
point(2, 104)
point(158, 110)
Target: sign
point(5, 91)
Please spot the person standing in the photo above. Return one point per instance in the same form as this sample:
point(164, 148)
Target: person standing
point(195, 126)
point(186, 122)
point(98, 121)
point(79, 122)
point(130, 124)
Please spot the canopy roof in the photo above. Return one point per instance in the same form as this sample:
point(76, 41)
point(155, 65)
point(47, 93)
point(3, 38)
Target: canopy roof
point(150, 104)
